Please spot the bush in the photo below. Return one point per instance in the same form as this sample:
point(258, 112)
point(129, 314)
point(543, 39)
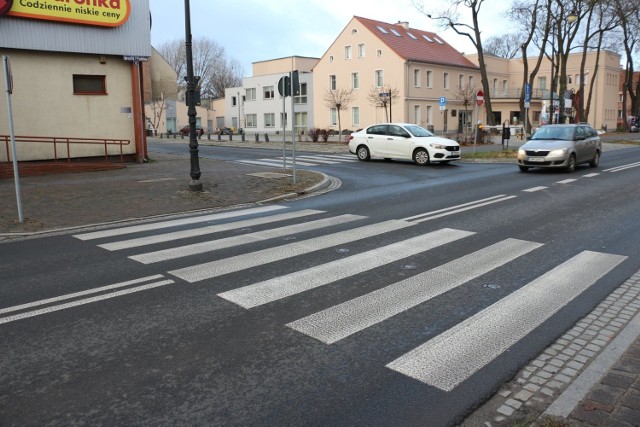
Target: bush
point(324, 134)
point(314, 134)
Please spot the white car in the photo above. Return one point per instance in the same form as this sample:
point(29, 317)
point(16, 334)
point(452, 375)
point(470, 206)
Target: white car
point(403, 141)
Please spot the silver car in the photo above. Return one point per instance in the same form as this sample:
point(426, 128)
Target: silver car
point(561, 146)
point(403, 141)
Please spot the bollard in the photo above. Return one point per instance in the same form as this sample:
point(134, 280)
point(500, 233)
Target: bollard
point(266, 137)
point(208, 136)
point(230, 136)
point(257, 137)
point(219, 137)
point(242, 136)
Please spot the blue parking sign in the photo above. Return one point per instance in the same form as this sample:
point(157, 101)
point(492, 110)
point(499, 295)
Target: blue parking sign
point(443, 101)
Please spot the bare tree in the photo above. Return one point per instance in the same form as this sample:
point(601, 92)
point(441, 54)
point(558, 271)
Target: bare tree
point(156, 107)
point(450, 18)
point(210, 63)
point(339, 100)
point(629, 16)
point(383, 101)
point(465, 95)
point(504, 46)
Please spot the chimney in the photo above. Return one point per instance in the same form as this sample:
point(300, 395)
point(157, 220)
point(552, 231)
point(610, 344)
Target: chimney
point(404, 24)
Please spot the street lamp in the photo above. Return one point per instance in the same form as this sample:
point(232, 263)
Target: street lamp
point(570, 18)
point(195, 184)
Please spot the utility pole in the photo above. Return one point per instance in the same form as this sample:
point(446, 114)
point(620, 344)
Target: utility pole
point(195, 184)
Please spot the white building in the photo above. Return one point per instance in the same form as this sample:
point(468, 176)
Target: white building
point(257, 106)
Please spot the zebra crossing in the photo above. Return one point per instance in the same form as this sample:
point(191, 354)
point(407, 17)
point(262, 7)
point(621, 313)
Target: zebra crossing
point(303, 160)
point(444, 361)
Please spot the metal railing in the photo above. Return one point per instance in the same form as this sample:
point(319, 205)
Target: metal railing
point(67, 142)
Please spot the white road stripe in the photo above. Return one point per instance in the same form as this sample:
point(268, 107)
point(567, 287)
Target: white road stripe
point(213, 245)
point(340, 321)
point(342, 157)
point(623, 167)
point(590, 175)
point(411, 218)
point(317, 159)
point(175, 222)
point(241, 262)
point(79, 294)
point(566, 181)
point(467, 206)
point(183, 234)
point(534, 189)
point(272, 163)
point(290, 161)
point(311, 278)
point(456, 354)
point(85, 301)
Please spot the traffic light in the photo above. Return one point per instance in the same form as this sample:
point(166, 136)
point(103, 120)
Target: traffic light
point(295, 83)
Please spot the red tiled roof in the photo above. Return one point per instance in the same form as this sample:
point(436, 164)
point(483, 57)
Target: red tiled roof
point(419, 48)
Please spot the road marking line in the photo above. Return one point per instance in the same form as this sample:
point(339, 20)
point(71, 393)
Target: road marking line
point(318, 159)
point(459, 208)
point(183, 234)
point(79, 294)
point(623, 167)
point(157, 180)
point(175, 222)
point(534, 189)
point(217, 268)
point(566, 181)
point(290, 161)
point(273, 163)
point(85, 301)
point(291, 284)
point(340, 321)
point(590, 175)
point(453, 356)
point(213, 245)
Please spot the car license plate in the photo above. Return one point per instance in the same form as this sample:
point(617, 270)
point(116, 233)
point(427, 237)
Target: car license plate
point(536, 159)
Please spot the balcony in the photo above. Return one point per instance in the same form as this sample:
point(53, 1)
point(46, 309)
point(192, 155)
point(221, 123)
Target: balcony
point(536, 94)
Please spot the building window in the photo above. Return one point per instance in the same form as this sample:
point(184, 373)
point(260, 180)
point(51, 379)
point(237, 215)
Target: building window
point(355, 116)
point(301, 120)
point(471, 83)
point(577, 80)
point(416, 114)
point(361, 50)
point(355, 81)
point(251, 94)
point(268, 92)
point(429, 115)
point(234, 101)
point(332, 82)
point(495, 84)
point(283, 119)
point(252, 120)
point(429, 79)
point(416, 78)
point(460, 81)
point(379, 78)
point(542, 83)
point(347, 52)
point(379, 53)
point(446, 81)
point(89, 85)
point(505, 87)
point(269, 120)
point(330, 58)
point(302, 98)
point(334, 117)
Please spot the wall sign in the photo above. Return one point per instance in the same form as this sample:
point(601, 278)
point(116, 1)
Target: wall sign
point(104, 13)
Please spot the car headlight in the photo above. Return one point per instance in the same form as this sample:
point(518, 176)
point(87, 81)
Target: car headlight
point(438, 146)
point(521, 152)
point(558, 152)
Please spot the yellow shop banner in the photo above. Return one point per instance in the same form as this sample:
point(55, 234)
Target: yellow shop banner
point(106, 13)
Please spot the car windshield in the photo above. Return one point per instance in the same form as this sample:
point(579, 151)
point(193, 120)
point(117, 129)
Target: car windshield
point(553, 133)
point(418, 131)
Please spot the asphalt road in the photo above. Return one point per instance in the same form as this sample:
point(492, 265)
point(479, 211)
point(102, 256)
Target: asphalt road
point(405, 297)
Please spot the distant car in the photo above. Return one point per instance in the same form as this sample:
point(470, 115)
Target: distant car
point(224, 131)
point(561, 146)
point(403, 141)
point(185, 131)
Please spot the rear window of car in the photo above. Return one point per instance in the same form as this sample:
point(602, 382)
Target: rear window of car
point(377, 130)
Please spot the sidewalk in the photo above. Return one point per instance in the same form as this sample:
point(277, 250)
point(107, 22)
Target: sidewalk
point(589, 376)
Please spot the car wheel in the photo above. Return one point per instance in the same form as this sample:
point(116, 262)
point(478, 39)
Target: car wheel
point(363, 153)
point(571, 163)
point(421, 157)
point(523, 168)
point(596, 160)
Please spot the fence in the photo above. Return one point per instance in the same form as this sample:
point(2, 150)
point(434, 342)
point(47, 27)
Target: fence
point(66, 142)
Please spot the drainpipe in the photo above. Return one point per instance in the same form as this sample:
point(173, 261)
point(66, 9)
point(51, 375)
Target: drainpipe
point(137, 111)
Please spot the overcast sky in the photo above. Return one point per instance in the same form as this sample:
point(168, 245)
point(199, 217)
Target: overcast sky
point(258, 30)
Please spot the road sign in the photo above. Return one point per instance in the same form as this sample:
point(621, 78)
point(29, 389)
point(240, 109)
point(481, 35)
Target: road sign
point(480, 98)
point(284, 86)
point(443, 101)
point(384, 94)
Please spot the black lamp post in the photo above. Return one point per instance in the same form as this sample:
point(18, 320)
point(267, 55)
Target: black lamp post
point(195, 184)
